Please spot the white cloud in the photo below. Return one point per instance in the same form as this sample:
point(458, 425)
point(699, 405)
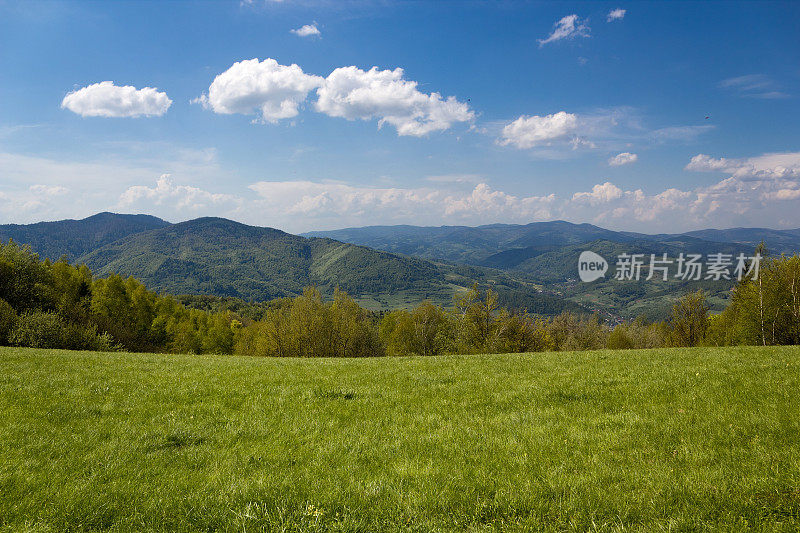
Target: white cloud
point(456, 178)
point(352, 93)
point(761, 191)
point(64, 188)
point(600, 194)
point(325, 205)
point(568, 27)
point(49, 190)
point(624, 158)
point(334, 204)
point(275, 91)
point(307, 30)
point(615, 14)
point(179, 197)
point(771, 166)
point(105, 99)
point(679, 133)
point(527, 132)
point(266, 88)
point(555, 136)
point(754, 86)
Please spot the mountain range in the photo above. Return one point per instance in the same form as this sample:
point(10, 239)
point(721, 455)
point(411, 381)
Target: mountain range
point(508, 245)
point(547, 253)
point(221, 257)
point(531, 266)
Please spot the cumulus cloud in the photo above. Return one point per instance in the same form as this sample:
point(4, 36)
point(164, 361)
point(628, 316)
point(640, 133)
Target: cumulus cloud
point(624, 158)
point(105, 99)
point(762, 183)
point(568, 27)
point(615, 130)
point(307, 30)
point(615, 14)
point(264, 88)
point(753, 191)
point(274, 92)
point(600, 194)
point(181, 197)
point(759, 191)
point(530, 131)
point(774, 166)
point(609, 205)
point(555, 135)
point(334, 204)
point(352, 93)
point(729, 202)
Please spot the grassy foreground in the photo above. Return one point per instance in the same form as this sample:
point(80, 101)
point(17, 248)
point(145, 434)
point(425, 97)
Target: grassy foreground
point(681, 439)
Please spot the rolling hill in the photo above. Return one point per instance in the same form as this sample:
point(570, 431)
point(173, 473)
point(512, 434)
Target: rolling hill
point(224, 258)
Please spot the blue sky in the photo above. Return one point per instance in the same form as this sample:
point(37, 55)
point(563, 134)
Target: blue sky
point(503, 112)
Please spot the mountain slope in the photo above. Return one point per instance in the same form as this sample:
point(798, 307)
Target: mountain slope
point(225, 258)
point(77, 237)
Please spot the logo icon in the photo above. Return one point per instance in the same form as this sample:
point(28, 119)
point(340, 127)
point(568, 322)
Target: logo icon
point(591, 266)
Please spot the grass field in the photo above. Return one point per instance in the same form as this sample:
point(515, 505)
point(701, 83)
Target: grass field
point(678, 440)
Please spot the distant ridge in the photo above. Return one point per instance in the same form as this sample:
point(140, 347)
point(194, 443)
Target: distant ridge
point(490, 244)
point(74, 238)
point(531, 266)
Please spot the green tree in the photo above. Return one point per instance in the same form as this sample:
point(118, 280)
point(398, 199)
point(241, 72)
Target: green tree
point(689, 320)
point(8, 319)
point(424, 331)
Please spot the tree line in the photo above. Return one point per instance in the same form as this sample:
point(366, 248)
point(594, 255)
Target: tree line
point(58, 305)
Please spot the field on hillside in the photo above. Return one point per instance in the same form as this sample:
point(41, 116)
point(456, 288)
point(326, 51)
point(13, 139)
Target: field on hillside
point(680, 439)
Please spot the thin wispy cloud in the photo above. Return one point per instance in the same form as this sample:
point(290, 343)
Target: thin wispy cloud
point(754, 86)
point(569, 28)
point(679, 133)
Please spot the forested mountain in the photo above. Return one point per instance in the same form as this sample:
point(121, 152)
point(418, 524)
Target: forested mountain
point(547, 253)
point(471, 245)
point(224, 258)
point(531, 266)
point(74, 238)
point(507, 245)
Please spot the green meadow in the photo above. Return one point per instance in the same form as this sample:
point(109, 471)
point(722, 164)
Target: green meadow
point(681, 439)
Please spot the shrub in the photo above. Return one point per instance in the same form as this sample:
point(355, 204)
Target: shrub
point(638, 334)
point(519, 332)
point(619, 339)
point(571, 331)
point(8, 318)
point(37, 329)
point(307, 326)
point(80, 337)
point(424, 331)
